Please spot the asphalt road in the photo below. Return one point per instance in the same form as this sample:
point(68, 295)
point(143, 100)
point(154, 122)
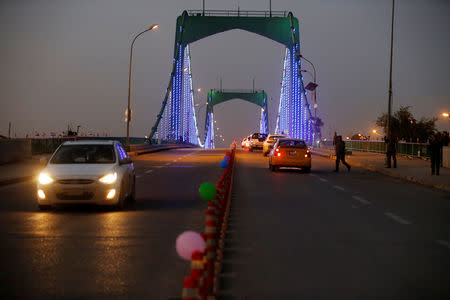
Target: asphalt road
point(325, 235)
point(92, 253)
point(357, 235)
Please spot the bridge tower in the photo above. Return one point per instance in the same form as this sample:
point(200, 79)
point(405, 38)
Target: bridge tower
point(176, 121)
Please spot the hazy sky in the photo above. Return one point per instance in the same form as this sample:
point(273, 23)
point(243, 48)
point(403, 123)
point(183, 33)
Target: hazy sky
point(67, 61)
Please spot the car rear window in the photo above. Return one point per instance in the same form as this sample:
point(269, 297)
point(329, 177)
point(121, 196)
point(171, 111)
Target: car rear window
point(275, 137)
point(259, 136)
point(84, 154)
point(292, 143)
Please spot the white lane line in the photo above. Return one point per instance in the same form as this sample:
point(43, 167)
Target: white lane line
point(168, 164)
point(397, 218)
point(322, 179)
point(443, 243)
point(138, 176)
point(339, 187)
point(148, 171)
point(362, 200)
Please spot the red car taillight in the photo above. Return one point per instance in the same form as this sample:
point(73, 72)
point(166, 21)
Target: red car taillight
point(278, 154)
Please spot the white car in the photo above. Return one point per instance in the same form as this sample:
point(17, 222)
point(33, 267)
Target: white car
point(257, 140)
point(97, 172)
point(270, 141)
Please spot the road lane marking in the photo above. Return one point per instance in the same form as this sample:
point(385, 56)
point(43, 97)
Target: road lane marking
point(148, 171)
point(443, 243)
point(322, 179)
point(362, 200)
point(397, 218)
point(168, 164)
point(339, 187)
point(138, 176)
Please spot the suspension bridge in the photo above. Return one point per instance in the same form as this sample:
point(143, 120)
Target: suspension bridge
point(176, 121)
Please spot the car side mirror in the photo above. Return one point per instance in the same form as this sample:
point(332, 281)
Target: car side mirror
point(126, 161)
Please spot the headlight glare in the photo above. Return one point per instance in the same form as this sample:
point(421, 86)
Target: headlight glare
point(109, 178)
point(44, 179)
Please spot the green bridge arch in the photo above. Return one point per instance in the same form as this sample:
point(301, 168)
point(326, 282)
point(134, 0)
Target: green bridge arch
point(216, 97)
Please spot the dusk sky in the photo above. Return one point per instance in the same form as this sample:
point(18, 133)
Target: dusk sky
point(65, 61)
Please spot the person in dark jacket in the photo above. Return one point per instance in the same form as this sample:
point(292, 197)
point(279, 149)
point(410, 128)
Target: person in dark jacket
point(435, 154)
point(340, 153)
point(391, 150)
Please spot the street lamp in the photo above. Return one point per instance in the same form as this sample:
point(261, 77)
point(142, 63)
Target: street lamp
point(311, 86)
point(128, 112)
point(388, 125)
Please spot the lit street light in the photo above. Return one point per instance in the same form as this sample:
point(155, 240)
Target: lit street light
point(128, 112)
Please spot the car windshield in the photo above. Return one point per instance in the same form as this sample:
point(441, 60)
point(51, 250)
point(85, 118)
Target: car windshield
point(84, 154)
point(292, 143)
point(271, 138)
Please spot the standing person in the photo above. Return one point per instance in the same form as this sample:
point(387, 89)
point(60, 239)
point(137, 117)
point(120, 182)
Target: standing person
point(435, 151)
point(339, 146)
point(391, 150)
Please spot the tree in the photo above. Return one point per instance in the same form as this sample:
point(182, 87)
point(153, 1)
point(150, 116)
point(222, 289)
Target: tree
point(404, 125)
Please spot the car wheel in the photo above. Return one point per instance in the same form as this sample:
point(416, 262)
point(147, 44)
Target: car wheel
point(121, 203)
point(132, 197)
point(44, 207)
point(307, 170)
point(273, 168)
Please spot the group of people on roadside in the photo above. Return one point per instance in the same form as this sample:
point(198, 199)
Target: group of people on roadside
point(437, 141)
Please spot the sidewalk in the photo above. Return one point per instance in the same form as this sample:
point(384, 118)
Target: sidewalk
point(411, 169)
point(21, 171)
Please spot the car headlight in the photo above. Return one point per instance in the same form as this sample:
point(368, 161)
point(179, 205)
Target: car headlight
point(44, 179)
point(109, 178)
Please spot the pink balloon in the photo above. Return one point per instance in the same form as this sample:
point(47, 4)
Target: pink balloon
point(188, 242)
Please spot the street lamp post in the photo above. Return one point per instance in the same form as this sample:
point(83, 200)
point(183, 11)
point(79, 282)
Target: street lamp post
point(315, 82)
point(128, 112)
point(388, 125)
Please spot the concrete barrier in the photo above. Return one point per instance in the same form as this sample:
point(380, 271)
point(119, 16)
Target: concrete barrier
point(12, 150)
point(446, 156)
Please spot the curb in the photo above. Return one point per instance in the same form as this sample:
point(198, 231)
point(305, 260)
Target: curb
point(137, 153)
point(369, 167)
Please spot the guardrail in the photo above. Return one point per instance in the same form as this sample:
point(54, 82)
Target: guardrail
point(410, 149)
point(49, 145)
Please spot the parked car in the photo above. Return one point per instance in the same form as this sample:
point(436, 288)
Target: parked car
point(97, 172)
point(270, 141)
point(257, 140)
point(289, 152)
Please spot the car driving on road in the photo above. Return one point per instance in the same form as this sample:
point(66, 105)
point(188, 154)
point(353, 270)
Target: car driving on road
point(257, 140)
point(270, 141)
point(289, 152)
point(97, 172)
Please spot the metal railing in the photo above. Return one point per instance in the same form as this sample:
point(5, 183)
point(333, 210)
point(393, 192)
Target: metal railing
point(237, 13)
point(49, 145)
point(410, 149)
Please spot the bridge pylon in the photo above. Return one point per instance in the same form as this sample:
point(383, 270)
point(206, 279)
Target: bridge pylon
point(176, 121)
